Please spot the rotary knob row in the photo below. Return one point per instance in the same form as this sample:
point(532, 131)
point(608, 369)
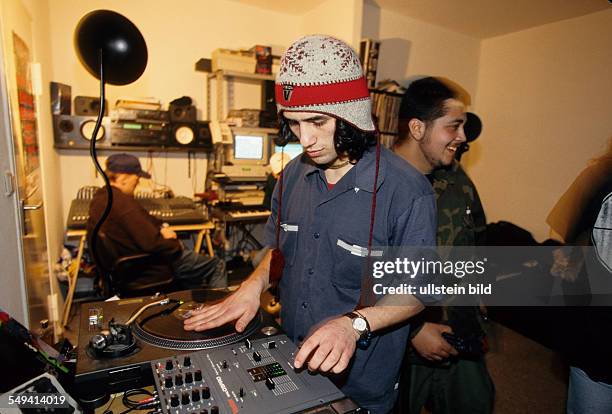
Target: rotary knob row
point(186, 398)
point(189, 378)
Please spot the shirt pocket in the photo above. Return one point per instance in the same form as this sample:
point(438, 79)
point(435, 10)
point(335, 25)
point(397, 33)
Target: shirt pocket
point(288, 240)
point(349, 262)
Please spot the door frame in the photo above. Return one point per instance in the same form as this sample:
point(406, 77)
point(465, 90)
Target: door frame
point(13, 295)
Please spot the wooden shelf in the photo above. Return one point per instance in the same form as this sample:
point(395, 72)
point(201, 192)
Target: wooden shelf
point(242, 75)
point(128, 148)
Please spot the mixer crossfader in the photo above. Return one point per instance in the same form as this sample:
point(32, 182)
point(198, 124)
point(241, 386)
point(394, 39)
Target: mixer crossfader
point(250, 377)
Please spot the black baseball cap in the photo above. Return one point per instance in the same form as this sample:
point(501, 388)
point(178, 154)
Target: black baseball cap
point(126, 164)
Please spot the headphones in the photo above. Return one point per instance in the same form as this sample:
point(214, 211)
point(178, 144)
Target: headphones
point(115, 341)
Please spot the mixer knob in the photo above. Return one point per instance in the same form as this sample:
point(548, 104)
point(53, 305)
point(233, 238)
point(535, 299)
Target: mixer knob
point(185, 399)
point(169, 365)
point(241, 392)
point(195, 395)
point(198, 375)
point(205, 393)
point(214, 410)
point(204, 411)
point(188, 378)
point(174, 400)
point(256, 356)
point(224, 364)
point(168, 382)
point(178, 380)
point(187, 361)
point(272, 344)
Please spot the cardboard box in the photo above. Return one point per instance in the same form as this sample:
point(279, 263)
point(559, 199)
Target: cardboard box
point(233, 60)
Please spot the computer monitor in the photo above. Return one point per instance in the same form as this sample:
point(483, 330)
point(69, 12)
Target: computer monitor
point(293, 149)
point(250, 147)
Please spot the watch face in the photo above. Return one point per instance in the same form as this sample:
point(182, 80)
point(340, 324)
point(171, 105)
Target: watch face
point(359, 324)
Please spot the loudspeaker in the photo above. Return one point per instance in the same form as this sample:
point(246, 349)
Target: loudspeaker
point(61, 98)
point(71, 131)
point(191, 135)
point(88, 106)
point(182, 113)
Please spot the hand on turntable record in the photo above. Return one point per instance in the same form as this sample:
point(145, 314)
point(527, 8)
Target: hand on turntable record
point(330, 347)
point(241, 307)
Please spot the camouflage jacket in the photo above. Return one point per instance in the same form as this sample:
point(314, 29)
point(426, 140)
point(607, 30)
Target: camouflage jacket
point(461, 219)
point(461, 222)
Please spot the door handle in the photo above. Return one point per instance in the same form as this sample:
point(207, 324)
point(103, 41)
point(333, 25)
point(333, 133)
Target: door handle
point(28, 207)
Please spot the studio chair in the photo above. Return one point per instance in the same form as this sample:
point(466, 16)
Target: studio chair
point(134, 275)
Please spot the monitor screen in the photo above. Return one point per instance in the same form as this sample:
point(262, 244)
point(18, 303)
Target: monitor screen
point(248, 147)
point(293, 149)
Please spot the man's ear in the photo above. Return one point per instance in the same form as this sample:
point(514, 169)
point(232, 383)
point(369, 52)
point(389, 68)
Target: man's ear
point(416, 128)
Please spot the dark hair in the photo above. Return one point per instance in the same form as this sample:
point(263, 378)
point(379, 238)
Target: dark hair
point(424, 100)
point(348, 139)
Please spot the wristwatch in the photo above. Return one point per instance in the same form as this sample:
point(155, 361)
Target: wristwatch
point(361, 325)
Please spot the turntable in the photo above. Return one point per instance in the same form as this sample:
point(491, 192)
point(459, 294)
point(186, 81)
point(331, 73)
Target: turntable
point(158, 333)
point(215, 371)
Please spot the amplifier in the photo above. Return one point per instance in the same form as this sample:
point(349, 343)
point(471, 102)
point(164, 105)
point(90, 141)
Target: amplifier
point(126, 114)
point(140, 133)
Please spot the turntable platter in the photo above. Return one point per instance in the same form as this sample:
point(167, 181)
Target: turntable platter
point(163, 326)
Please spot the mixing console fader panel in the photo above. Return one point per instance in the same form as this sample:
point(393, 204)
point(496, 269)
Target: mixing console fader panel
point(249, 377)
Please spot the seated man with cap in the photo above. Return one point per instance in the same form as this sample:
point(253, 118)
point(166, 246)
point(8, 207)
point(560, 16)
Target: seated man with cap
point(130, 229)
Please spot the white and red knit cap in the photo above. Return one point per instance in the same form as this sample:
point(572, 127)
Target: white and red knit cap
point(322, 74)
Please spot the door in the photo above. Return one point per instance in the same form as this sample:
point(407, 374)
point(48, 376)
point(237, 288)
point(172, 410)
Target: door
point(22, 181)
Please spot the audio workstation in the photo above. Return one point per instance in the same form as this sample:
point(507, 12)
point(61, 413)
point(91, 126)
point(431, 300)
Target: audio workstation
point(218, 371)
point(174, 211)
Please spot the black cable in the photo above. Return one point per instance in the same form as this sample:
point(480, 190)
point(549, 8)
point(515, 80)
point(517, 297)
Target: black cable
point(92, 152)
point(138, 391)
point(137, 405)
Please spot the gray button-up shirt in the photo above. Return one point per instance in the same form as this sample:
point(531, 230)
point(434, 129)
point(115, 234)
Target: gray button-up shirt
point(324, 239)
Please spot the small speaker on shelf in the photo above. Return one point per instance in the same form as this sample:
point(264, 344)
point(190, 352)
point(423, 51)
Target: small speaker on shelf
point(88, 106)
point(191, 135)
point(71, 131)
point(182, 113)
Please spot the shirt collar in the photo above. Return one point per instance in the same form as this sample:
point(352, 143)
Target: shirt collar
point(365, 169)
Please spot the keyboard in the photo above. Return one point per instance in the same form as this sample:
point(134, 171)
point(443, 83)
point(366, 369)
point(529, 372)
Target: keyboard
point(234, 212)
point(174, 211)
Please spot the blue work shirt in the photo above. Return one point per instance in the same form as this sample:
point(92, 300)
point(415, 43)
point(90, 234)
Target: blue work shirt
point(321, 232)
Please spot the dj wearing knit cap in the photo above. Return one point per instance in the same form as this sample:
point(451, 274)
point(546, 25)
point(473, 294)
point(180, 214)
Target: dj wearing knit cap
point(321, 227)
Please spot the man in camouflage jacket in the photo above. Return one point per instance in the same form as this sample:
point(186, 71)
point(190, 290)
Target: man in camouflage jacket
point(431, 130)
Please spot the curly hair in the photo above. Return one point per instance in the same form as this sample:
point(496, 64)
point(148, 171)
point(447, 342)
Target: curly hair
point(348, 140)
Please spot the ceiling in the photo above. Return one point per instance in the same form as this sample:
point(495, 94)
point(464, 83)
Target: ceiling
point(476, 18)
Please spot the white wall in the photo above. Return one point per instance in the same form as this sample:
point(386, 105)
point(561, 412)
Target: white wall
point(411, 48)
point(177, 37)
point(544, 98)
point(339, 18)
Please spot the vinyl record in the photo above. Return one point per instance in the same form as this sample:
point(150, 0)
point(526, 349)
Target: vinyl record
point(163, 327)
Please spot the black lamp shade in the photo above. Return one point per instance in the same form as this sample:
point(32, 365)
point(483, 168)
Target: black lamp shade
point(123, 47)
